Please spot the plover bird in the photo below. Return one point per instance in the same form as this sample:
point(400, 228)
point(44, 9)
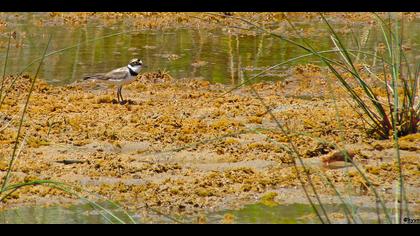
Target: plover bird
point(121, 76)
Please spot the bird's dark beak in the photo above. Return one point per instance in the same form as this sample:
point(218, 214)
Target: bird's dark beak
point(145, 66)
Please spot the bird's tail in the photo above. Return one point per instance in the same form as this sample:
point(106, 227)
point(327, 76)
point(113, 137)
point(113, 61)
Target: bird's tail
point(84, 78)
point(88, 77)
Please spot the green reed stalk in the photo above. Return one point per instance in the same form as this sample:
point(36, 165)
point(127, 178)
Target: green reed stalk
point(348, 60)
point(249, 80)
point(107, 214)
point(373, 116)
point(22, 119)
point(341, 127)
point(76, 57)
point(368, 91)
point(12, 188)
point(405, 118)
point(396, 59)
point(294, 149)
point(5, 67)
point(347, 211)
point(305, 170)
point(53, 53)
point(93, 204)
point(379, 119)
point(408, 114)
point(345, 153)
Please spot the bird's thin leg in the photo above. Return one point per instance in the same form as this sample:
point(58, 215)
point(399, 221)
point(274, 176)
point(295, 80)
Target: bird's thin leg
point(118, 94)
point(122, 99)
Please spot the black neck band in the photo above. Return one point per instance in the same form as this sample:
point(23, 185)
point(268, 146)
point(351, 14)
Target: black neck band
point(132, 72)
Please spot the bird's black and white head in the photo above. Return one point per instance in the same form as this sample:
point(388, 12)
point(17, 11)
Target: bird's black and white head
point(135, 65)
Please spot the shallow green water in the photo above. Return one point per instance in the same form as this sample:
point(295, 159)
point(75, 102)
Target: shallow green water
point(74, 214)
point(85, 214)
point(249, 214)
point(212, 55)
point(291, 214)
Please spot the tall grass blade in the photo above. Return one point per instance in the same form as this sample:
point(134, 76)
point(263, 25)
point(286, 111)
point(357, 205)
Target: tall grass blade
point(56, 52)
point(22, 119)
point(107, 214)
point(384, 128)
point(5, 67)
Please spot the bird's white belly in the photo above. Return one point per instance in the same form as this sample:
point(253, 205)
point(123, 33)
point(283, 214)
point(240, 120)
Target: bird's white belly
point(129, 80)
point(126, 80)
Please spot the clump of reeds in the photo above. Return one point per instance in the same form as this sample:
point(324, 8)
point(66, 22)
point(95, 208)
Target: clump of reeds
point(398, 115)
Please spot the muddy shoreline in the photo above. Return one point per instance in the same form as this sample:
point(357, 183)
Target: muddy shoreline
point(230, 21)
point(184, 146)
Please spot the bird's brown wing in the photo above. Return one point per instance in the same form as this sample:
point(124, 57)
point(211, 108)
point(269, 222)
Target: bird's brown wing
point(116, 74)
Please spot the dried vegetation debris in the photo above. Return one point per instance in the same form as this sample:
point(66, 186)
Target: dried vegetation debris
point(181, 145)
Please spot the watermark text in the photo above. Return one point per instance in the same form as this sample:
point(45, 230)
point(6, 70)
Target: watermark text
point(411, 220)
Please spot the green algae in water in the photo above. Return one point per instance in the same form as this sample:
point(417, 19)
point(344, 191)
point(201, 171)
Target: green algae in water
point(268, 199)
point(263, 214)
point(84, 214)
point(289, 214)
point(249, 214)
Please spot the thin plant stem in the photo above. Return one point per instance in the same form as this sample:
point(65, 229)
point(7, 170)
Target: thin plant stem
point(22, 119)
point(305, 170)
point(5, 67)
point(56, 52)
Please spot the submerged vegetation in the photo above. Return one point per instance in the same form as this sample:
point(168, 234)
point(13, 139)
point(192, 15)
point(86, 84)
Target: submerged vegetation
point(345, 131)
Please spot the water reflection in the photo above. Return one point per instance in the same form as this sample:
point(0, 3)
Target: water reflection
point(253, 213)
point(214, 55)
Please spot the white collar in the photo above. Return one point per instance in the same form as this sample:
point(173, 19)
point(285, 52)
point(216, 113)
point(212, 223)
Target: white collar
point(136, 69)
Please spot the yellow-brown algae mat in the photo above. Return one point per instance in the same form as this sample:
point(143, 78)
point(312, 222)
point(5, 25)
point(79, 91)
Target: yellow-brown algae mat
point(186, 146)
point(231, 21)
